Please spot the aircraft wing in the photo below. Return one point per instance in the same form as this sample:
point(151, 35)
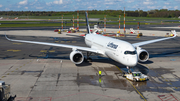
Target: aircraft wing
point(64, 45)
point(153, 41)
point(59, 45)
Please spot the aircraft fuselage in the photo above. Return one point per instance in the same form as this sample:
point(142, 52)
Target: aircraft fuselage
point(118, 50)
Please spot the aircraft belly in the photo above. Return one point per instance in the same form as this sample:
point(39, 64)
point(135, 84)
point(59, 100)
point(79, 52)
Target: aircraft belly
point(112, 55)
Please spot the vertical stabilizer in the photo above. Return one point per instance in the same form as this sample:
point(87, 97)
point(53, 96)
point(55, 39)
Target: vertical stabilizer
point(87, 24)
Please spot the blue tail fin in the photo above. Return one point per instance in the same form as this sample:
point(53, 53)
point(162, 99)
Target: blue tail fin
point(87, 24)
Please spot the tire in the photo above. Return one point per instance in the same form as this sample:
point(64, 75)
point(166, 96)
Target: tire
point(89, 59)
point(134, 80)
point(85, 60)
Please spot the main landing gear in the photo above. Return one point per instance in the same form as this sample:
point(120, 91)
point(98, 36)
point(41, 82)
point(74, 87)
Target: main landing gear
point(88, 59)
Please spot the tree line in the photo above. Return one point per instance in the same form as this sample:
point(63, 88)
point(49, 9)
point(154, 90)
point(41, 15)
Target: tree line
point(115, 13)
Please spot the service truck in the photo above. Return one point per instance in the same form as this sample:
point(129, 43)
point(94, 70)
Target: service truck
point(136, 76)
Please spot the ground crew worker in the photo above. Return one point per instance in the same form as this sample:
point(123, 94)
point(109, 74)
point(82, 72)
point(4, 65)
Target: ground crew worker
point(99, 73)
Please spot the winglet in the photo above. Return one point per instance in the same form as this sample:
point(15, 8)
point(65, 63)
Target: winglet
point(6, 36)
point(87, 24)
point(174, 33)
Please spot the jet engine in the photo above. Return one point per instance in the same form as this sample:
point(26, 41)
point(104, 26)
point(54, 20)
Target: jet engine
point(143, 55)
point(76, 57)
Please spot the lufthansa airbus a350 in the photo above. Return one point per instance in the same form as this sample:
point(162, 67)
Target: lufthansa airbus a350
point(121, 51)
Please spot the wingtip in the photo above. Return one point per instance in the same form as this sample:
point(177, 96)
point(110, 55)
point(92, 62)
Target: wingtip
point(6, 36)
point(174, 33)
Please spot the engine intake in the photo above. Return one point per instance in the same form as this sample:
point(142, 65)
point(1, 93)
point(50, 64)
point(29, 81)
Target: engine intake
point(143, 55)
point(76, 57)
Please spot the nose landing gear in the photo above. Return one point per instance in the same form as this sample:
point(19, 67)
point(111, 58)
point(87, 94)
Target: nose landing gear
point(129, 70)
point(88, 59)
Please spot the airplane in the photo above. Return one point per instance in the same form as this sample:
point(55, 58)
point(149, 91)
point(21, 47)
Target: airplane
point(121, 51)
point(16, 18)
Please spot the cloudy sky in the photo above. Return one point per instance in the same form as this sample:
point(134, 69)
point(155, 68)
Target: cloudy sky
point(73, 5)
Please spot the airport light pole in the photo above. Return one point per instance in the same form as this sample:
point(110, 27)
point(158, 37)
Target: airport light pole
point(104, 23)
point(77, 20)
point(119, 23)
point(62, 22)
point(124, 21)
point(73, 21)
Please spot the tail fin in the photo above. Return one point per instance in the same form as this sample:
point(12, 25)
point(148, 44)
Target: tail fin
point(87, 24)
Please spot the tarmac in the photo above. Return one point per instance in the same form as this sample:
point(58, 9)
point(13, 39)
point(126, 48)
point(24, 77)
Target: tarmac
point(50, 33)
point(45, 73)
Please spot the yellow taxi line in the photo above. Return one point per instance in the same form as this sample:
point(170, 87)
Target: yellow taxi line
point(17, 43)
point(133, 86)
point(44, 51)
point(137, 91)
point(12, 50)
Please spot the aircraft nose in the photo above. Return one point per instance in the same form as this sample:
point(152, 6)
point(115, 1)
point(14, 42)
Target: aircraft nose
point(133, 61)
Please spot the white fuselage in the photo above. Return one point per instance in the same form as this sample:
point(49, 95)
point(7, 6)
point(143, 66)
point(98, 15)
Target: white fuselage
point(118, 50)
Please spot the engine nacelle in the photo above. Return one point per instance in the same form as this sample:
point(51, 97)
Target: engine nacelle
point(143, 55)
point(76, 57)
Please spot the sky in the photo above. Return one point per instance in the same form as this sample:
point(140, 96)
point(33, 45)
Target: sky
point(74, 5)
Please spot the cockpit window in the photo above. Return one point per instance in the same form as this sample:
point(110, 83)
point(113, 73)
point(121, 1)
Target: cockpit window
point(130, 52)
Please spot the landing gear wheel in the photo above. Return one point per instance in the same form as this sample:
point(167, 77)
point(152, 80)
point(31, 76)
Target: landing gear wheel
point(129, 71)
point(134, 80)
point(89, 59)
point(85, 60)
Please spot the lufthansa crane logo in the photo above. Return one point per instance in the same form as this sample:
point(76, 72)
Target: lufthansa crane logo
point(112, 45)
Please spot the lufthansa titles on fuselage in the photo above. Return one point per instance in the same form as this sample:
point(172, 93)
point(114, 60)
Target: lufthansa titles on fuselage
point(112, 45)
